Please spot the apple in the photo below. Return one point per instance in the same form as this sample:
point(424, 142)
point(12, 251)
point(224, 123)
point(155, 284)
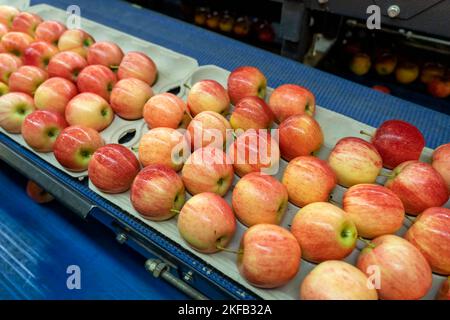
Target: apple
point(226, 23)
point(290, 99)
point(404, 272)
point(164, 146)
point(208, 95)
point(26, 22)
point(308, 179)
point(382, 89)
point(441, 162)
point(360, 64)
point(206, 222)
point(138, 65)
point(430, 71)
point(113, 168)
point(97, 79)
point(208, 170)
point(165, 110)
point(50, 31)
point(398, 141)
point(89, 110)
point(242, 27)
point(41, 128)
point(212, 20)
point(208, 128)
point(27, 79)
point(418, 185)
point(39, 53)
point(105, 53)
point(251, 113)
point(444, 290)
point(16, 43)
point(336, 280)
point(3, 30)
point(8, 65)
point(385, 64)
point(269, 256)
point(37, 193)
point(259, 198)
point(75, 145)
point(66, 65)
point(200, 16)
point(246, 81)
point(7, 14)
point(14, 107)
point(374, 209)
point(54, 94)
point(255, 151)
point(439, 88)
point(305, 131)
point(407, 72)
point(324, 232)
point(355, 161)
point(75, 40)
point(128, 98)
point(430, 233)
point(4, 89)
point(157, 192)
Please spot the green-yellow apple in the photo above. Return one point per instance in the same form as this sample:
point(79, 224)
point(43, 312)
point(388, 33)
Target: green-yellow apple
point(441, 162)
point(360, 64)
point(251, 113)
point(386, 64)
point(14, 107)
point(4, 89)
point(54, 94)
point(8, 64)
point(208, 95)
point(128, 98)
point(290, 99)
point(407, 72)
point(208, 128)
point(166, 110)
point(75, 40)
point(246, 81)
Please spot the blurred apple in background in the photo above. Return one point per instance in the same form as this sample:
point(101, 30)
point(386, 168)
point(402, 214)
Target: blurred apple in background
point(14, 107)
point(355, 161)
point(251, 113)
point(226, 23)
point(407, 72)
point(38, 54)
point(138, 65)
point(75, 40)
point(430, 233)
point(374, 209)
point(66, 65)
point(37, 193)
point(241, 27)
point(208, 128)
point(50, 31)
point(89, 110)
point(105, 53)
point(157, 192)
point(128, 98)
point(441, 162)
point(308, 179)
point(265, 32)
point(8, 64)
point(165, 110)
point(41, 128)
point(246, 81)
point(54, 94)
point(75, 145)
point(7, 14)
point(385, 64)
point(113, 168)
point(336, 280)
point(200, 16)
point(212, 20)
point(444, 290)
point(439, 88)
point(259, 198)
point(431, 71)
point(382, 89)
point(97, 79)
point(206, 222)
point(418, 185)
point(269, 256)
point(16, 43)
point(4, 89)
point(290, 99)
point(208, 95)
point(360, 64)
point(27, 79)
point(404, 272)
point(26, 22)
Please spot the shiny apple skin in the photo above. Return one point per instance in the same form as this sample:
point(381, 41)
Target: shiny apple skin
point(164, 110)
point(97, 79)
point(9, 103)
point(246, 81)
point(105, 53)
point(290, 99)
point(270, 256)
point(398, 141)
point(3, 30)
point(419, 186)
point(128, 98)
point(8, 64)
point(50, 31)
point(7, 14)
point(305, 131)
point(208, 128)
point(16, 43)
point(26, 22)
point(27, 79)
point(138, 65)
point(430, 233)
point(441, 162)
point(251, 113)
point(41, 128)
point(39, 195)
point(54, 94)
point(75, 145)
point(207, 222)
point(113, 168)
point(75, 40)
point(208, 95)
point(66, 65)
point(308, 179)
point(38, 54)
point(404, 272)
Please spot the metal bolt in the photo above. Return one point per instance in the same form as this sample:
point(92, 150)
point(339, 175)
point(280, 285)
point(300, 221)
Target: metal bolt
point(393, 11)
point(188, 276)
point(121, 238)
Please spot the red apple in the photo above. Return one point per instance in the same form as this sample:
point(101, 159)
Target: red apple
point(246, 81)
point(105, 53)
point(259, 198)
point(97, 79)
point(382, 89)
point(138, 65)
point(308, 179)
point(289, 100)
point(374, 209)
point(208, 128)
point(251, 113)
point(89, 110)
point(128, 98)
point(324, 232)
point(27, 79)
point(26, 22)
point(37, 193)
point(418, 185)
point(430, 71)
point(206, 222)
point(16, 43)
point(8, 64)
point(113, 168)
point(75, 145)
point(444, 290)
point(165, 110)
point(336, 280)
point(7, 14)
point(208, 170)
point(439, 88)
point(441, 162)
point(66, 65)
point(355, 161)
point(4, 89)
point(269, 256)
point(41, 128)
point(430, 233)
point(75, 40)
point(14, 107)
point(404, 272)
point(208, 95)
point(50, 31)
point(54, 94)
point(39, 53)
point(305, 131)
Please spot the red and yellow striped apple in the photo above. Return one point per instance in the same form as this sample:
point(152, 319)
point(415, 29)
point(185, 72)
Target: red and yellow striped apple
point(66, 65)
point(105, 53)
point(38, 54)
point(27, 79)
point(208, 95)
point(251, 113)
point(97, 79)
point(441, 162)
point(290, 99)
point(208, 128)
point(138, 65)
point(14, 107)
point(16, 43)
point(246, 81)
point(54, 94)
point(166, 110)
point(8, 65)
point(50, 31)
point(7, 14)
point(128, 98)
point(75, 40)
point(26, 22)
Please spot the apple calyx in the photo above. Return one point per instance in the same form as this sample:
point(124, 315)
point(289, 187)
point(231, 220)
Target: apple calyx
point(369, 243)
point(366, 133)
point(308, 110)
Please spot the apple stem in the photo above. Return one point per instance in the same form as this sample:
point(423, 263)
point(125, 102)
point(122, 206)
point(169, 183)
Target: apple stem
point(367, 242)
point(366, 133)
point(234, 135)
point(113, 67)
point(218, 246)
point(175, 211)
point(135, 148)
point(188, 114)
point(387, 175)
point(187, 86)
